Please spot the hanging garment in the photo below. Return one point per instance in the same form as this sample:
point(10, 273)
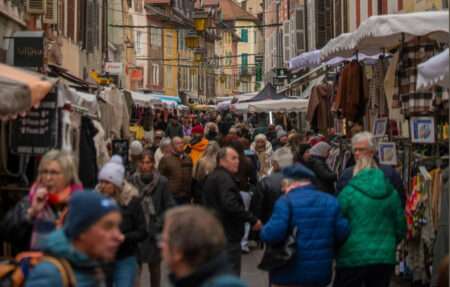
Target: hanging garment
point(319, 115)
point(87, 168)
point(406, 97)
point(137, 131)
point(100, 145)
point(106, 117)
point(121, 117)
point(350, 98)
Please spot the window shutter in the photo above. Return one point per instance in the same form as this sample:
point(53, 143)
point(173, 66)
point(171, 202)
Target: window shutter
point(286, 41)
point(90, 26)
point(71, 19)
point(36, 6)
point(51, 12)
point(300, 30)
point(244, 35)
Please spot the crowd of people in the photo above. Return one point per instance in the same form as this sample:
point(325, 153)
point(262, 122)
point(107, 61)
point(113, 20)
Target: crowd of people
point(195, 195)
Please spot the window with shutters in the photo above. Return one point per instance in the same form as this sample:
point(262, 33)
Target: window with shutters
point(35, 6)
point(90, 27)
point(244, 35)
point(337, 18)
point(51, 12)
point(286, 41)
point(181, 39)
point(155, 37)
point(139, 44)
point(324, 22)
point(138, 5)
point(300, 30)
point(155, 74)
point(81, 20)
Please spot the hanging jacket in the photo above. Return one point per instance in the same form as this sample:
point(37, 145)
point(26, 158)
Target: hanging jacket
point(46, 274)
point(376, 217)
point(321, 227)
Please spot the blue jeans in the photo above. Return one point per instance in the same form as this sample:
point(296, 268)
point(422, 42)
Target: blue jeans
point(125, 272)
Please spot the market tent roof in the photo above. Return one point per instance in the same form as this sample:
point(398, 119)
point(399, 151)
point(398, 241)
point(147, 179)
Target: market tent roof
point(305, 60)
point(241, 97)
point(435, 71)
point(387, 31)
point(268, 93)
point(140, 98)
point(20, 90)
point(298, 105)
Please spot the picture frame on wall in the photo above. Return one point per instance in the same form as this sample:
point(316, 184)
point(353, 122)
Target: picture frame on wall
point(380, 127)
point(387, 153)
point(422, 130)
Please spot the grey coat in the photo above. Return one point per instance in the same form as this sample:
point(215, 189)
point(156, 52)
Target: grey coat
point(154, 207)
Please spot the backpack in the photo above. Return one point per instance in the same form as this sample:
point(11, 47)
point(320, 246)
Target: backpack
point(14, 271)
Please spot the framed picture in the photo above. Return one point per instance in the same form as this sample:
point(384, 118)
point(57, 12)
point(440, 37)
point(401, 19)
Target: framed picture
point(422, 130)
point(387, 153)
point(380, 127)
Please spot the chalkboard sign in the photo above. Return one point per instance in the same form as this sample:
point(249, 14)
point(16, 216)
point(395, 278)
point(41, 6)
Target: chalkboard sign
point(40, 130)
point(120, 147)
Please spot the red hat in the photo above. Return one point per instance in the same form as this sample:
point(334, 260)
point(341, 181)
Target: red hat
point(198, 129)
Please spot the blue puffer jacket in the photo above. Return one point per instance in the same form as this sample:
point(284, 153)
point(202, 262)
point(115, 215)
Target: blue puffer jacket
point(321, 227)
point(46, 274)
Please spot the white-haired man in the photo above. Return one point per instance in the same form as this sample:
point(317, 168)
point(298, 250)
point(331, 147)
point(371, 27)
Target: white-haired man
point(364, 150)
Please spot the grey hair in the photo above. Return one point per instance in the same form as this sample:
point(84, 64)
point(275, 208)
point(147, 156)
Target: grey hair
point(260, 137)
point(364, 136)
point(165, 142)
point(223, 153)
point(65, 161)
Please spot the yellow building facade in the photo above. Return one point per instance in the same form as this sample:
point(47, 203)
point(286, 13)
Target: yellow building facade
point(224, 71)
point(170, 63)
point(422, 5)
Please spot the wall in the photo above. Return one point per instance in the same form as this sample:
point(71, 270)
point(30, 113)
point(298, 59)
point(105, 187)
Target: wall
point(170, 67)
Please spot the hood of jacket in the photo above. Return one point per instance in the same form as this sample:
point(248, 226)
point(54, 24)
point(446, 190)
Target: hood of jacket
point(200, 146)
point(371, 182)
point(57, 244)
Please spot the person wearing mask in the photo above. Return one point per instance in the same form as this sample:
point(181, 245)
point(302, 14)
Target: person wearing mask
point(321, 227)
point(177, 168)
point(263, 149)
point(192, 246)
point(222, 195)
point(174, 128)
point(375, 212)
point(42, 210)
point(268, 190)
point(204, 167)
point(211, 131)
point(317, 162)
point(155, 200)
point(91, 234)
point(123, 272)
point(198, 144)
point(165, 148)
point(136, 150)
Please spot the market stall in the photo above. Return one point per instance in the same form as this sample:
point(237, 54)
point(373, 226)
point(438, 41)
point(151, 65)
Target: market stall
point(297, 105)
point(434, 72)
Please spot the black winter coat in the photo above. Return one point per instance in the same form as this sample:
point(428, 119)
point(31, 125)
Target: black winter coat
point(268, 190)
point(221, 194)
point(132, 227)
point(325, 176)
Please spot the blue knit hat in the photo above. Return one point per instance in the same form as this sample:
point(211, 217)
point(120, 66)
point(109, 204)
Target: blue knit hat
point(85, 209)
point(298, 171)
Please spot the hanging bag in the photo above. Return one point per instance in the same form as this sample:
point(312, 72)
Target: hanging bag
point(279, 255)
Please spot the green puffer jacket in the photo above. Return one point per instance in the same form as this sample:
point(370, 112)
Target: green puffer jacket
point(374, 211)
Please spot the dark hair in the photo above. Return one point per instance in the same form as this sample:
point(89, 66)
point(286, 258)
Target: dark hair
point(223, 153)
point(196, 233)
point(149, 154)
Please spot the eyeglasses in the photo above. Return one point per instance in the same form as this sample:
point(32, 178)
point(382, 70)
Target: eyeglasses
point(360, 149)
point(50, 172)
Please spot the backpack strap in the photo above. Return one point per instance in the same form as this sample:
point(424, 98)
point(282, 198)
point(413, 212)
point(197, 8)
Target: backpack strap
point(64, 268)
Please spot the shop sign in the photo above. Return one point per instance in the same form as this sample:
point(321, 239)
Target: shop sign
point(114, 68)
point(39, 131)
point(29, 49)
point(136, 74)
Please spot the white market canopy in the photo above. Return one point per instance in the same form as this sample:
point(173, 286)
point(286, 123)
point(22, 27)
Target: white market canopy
point(285, 105)
point(305, 60)
point(149, 99)
point(435, 71)
point(387, 31)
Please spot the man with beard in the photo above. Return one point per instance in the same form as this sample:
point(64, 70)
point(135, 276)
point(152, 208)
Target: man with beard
point(155, 200)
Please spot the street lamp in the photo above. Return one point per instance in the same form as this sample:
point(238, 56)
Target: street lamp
point(200, 19)
point(192, 40)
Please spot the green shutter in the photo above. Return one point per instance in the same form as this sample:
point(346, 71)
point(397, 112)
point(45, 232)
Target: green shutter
point(244, 35)
point(244, 63)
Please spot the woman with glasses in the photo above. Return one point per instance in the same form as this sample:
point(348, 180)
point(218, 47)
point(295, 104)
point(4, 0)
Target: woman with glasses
point(43, 209)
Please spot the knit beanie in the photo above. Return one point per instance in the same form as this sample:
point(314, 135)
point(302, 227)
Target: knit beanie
point(113, 171)
point(136, 148)
point(298, 171)
point(320, 149)
point(84, 210)
point(198, 129)
point(281, 133)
